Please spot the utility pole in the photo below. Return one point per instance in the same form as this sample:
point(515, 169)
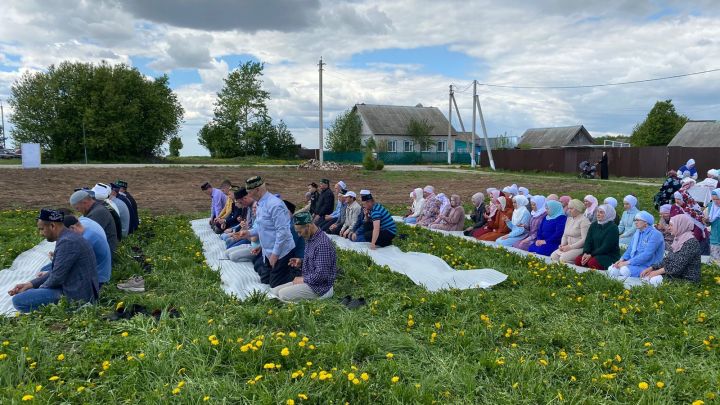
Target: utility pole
point(450, 101)
point(482, 122)
point(84, 143)
point(320, 147)
point(2, 128)
point(472, 151)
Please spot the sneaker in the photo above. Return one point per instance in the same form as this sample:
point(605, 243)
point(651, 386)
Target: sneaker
point(134, 284)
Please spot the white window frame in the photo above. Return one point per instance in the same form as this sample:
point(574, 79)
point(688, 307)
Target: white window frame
point(441, 146)
point(411, 148)
point(392, 146)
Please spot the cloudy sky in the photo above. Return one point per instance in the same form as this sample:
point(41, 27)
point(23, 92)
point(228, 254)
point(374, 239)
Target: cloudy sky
point(399, 52)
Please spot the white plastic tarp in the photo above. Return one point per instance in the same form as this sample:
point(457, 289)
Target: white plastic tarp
point(238, 278)
point(24, 268)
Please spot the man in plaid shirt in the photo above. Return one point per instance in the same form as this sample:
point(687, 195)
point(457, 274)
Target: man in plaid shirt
point(319, 267)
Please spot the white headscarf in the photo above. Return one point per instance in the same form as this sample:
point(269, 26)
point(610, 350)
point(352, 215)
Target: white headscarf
point(609, 213)
point(419, 201)
point(690, 163)
point(524, 191)
point(632, 200)
point(714, 210)
point(521, 210)
point(539, 206)
point(444, 203)
point(477, 198)
point(611, 201)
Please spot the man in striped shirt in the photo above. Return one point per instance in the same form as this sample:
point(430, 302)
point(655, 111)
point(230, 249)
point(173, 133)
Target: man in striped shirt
point(380, 229)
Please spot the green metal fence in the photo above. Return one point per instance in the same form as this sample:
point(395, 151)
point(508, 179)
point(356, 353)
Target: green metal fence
point(399, 158)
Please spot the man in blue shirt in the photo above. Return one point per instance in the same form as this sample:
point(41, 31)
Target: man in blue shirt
point(380, 229)
point(73, 274)
point(218, 199)
point(92, 232)
point(272, 227)
point(337, 216)
point(647, 248)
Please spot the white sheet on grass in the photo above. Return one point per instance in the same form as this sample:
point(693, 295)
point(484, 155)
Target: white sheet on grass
point(629, 282)
point(24, 268)
point(424, 269)
point(238, 278)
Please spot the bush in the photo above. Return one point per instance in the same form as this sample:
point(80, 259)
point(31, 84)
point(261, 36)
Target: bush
point(371, 163)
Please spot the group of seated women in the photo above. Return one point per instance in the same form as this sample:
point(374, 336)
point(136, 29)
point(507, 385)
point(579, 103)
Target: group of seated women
point(584, 233)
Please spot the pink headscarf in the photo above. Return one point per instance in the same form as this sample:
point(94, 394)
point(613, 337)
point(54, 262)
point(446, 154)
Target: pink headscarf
point(565, 200)
point(682, 225)
point(494, 194)
point(590, 211)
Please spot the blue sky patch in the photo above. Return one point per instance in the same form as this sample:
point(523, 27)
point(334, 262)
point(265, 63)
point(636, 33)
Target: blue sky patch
point(428, 60)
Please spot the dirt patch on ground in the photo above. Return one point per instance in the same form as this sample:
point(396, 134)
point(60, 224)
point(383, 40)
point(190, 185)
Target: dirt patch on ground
point(177, 190)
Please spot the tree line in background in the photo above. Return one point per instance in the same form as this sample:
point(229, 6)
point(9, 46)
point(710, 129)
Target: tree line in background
point(112, 110)
point(241, 125)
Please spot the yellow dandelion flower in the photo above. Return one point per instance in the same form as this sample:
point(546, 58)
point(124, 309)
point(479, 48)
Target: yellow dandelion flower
point(643, 385)
point(351, 376)
point(698, 402)
point(105, 365)
point(175, 391)
point(660, 384)
point(3, 356)
point(303, 397)
point(124, 334)
point(395, 379)
point(206, 398)
point(38, 388)
point(54, 378)
point(181, 384)
point(364, 376)
point(27, 397)
point(80, 389)
point(389, 356)
point(543, 362)
point(61, 357)
point(290, 402)
point(285, 352)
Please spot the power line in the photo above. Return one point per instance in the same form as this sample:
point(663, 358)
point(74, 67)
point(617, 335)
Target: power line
point(584, 86)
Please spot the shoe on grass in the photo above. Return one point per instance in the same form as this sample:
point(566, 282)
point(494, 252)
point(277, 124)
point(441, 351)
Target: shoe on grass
point(356, 303)
point(133, 284)
point(345, 301)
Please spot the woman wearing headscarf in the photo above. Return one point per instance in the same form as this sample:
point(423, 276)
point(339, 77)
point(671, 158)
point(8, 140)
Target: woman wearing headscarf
point(565, 200)
point(499, 226)
point(490, 214)
point(478, 215)
point(509, 192)
point(611, 201)
point(553, 197)
point(688, 170)
point(591, 204)
point(601, 244)
point(663, 225)
point(524, 191)
point(550, 231)
point(417, 206)
point(627, 222)
point(444, 204)
point(537, 213)
point(455, 218)
point(712, 218)
point(669, 187)
point(684, 204)
point(683, 260)
point(647, 248)
point(431, 208)
point(519, 223)
point(574, 234)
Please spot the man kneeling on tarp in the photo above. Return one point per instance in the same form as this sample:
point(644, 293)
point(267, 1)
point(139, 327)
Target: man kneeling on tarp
point(319, 266)
point(379, 228)
point(73, 274)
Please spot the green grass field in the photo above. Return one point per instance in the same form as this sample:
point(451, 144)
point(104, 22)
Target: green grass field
point(546, 335)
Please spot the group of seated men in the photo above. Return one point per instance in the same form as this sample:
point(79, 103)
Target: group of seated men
point(288, 250)
point(84, 246)
point(584, 233)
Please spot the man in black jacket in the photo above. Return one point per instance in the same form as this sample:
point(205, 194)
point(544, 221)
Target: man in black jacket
point(83, 201)
point(325, 203)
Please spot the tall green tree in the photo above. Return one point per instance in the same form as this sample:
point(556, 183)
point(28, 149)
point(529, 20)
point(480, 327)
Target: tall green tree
point(241, 124)
point(174, 146)
point(660, 126)
point(113, 110)
point(419, 131)
point(344, 133)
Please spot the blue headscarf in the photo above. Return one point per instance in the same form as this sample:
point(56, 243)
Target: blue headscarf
point(554, 209)
point(643, 216)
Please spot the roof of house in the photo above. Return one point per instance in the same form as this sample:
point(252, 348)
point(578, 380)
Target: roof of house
point(394, 120)
point(698, 134)
point(556, 137)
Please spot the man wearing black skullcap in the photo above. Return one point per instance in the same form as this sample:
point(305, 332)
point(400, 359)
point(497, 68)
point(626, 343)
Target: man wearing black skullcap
point(134, 218)
point(73, 273)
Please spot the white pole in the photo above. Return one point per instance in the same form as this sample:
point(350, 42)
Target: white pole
point(472, 151)
point(482, 122)
point(320, 147)
point(450, 99)
point(2, 128)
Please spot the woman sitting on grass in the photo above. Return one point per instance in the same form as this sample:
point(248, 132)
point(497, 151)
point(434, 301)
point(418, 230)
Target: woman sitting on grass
point(591, 204)
point(479, 214)
point(626, 226)
point(573, 237)
point(646, 249)
point(492, 210)
point(519, 224)
point(683, 261)
point(538, 213)
point(550, 231)
point(418, 202)
point(498, 227)
point(663, 225)
point(455, 218)
point(601, 244)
